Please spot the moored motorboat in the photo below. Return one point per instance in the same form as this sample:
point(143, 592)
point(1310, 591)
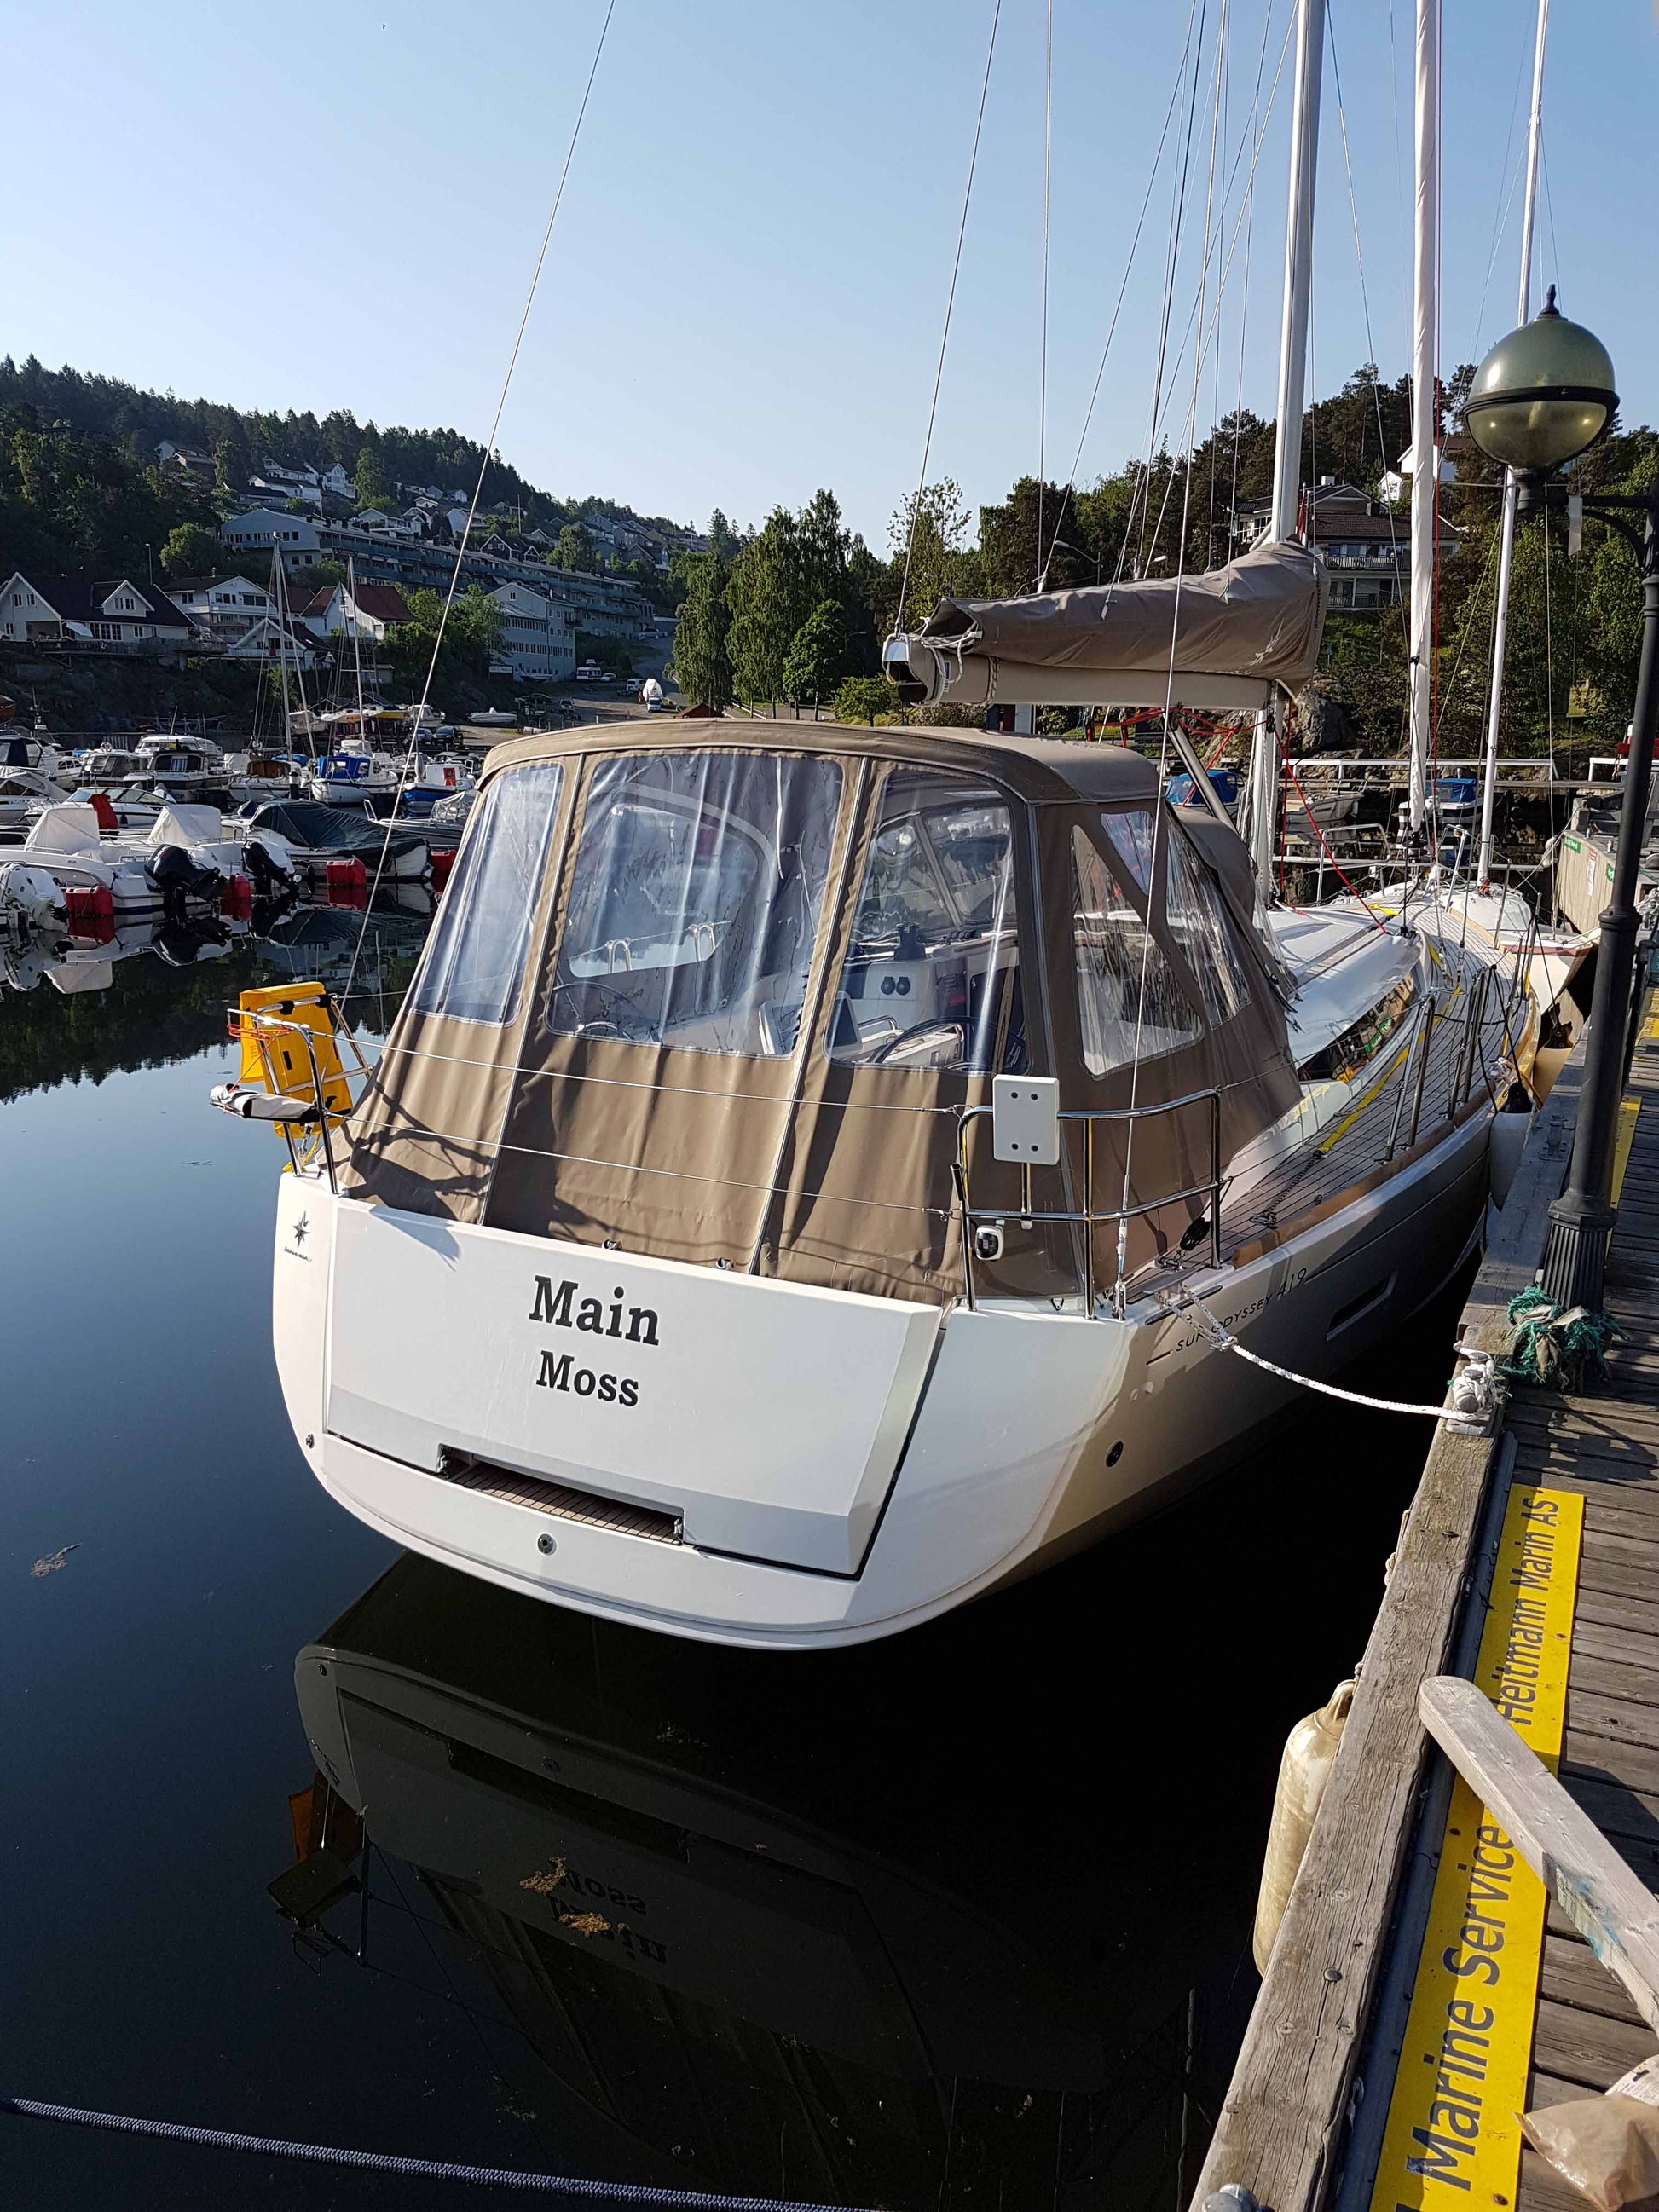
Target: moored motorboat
point(319, 836)
point(185, 858)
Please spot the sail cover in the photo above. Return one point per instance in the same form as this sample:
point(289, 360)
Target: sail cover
point(1227, 637)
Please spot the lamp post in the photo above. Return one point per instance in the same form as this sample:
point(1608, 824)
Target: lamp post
point(1541, 396)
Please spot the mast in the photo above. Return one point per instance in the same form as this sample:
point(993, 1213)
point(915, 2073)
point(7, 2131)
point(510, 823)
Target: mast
point(1263, 794)
point(1511, 481)
point(280, 597)
point(1425, 475)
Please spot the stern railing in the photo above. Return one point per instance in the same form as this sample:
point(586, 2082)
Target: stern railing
point(1088, 1216)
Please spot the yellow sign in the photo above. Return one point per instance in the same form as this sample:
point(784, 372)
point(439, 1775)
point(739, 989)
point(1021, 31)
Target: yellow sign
point(1453, 2130)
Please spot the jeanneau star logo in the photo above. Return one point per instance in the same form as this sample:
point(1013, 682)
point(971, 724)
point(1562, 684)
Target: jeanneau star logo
point(301, 1230)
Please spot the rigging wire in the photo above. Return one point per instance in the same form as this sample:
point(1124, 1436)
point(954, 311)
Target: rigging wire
point(1507, 180)
point(1042, 372)
point(950, 306)
point(487, 456)
point(1549, 209)
point(1118, 309)
point(1208, 338)
point(1365, 295)
point(1177, 211)
point(1250, 237)
point(1161, 822)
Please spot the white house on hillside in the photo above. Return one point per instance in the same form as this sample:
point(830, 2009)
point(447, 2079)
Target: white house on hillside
point(223, 606)
point(67, 610)
point(338, 611)
point(537, 640)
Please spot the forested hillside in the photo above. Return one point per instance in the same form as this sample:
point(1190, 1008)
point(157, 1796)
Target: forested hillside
point(134, 423)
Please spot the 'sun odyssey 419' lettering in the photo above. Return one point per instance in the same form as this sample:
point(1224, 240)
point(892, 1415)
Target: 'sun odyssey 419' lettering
point(561, 1309)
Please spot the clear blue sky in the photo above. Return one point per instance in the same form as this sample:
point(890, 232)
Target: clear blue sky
point(340, 206)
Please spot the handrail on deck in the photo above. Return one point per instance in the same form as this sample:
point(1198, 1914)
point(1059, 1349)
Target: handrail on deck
point(1088, 1216)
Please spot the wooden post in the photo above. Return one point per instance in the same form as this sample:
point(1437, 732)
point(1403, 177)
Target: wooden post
point(1617, 1914)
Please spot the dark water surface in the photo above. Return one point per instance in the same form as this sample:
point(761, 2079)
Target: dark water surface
point(959, 1919)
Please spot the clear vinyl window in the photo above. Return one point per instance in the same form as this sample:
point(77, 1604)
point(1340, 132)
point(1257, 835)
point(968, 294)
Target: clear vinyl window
point(695, 900)
point(931, 978)
point(1198, 922)
point(474, 956)
point(1127, 990)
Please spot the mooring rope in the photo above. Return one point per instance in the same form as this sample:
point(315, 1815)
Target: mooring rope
point(1473, 1392)
point(485, 2176)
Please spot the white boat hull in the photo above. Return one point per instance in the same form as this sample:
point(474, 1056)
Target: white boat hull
point(833, 1475)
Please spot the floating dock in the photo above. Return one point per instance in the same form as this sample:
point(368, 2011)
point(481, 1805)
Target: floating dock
point(1424, 1989)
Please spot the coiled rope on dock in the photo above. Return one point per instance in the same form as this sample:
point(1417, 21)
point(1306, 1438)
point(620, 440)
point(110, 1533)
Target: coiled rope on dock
point(484, 2177)
point(1557, 1348)
point(1473, 1392)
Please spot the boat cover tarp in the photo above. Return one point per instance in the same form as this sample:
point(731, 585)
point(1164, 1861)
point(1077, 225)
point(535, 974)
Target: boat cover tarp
point(318, 828)
point(813, 1168)
point(1259, 618)
point(187, 825)
point(68, 826)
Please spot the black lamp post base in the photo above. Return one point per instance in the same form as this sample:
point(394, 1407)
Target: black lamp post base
point(1575, 1263)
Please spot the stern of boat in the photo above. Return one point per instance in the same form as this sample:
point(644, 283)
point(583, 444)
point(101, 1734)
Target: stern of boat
point(729, 1457)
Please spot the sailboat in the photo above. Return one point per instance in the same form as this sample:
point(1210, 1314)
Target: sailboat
point(820, 1174)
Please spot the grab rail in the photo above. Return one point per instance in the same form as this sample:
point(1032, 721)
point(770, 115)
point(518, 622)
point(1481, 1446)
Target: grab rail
point(1088, 1218)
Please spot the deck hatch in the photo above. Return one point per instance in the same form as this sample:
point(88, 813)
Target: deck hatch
point(558, 1499)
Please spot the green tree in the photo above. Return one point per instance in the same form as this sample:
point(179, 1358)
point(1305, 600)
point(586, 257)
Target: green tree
point(470, 635)
point(232, 458)
point(192, 549)
point(778, 578)
point(862, 698)
point(702, 667)
point(370, 484)
point(817, 659)
point(723, 541)
point(927, 534)
point(763, 591)
point(575, 548)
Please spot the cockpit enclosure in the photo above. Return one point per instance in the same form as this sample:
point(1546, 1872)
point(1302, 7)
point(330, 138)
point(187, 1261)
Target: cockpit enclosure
point(725, 1000)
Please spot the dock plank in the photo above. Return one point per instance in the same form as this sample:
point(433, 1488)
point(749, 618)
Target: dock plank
point(1574, 1976)
point(1588, 2047)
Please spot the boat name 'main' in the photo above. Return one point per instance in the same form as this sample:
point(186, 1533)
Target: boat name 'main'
point(561, 1308)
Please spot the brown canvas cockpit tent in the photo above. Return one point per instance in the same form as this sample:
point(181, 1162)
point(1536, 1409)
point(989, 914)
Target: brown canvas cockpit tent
point(721, 992)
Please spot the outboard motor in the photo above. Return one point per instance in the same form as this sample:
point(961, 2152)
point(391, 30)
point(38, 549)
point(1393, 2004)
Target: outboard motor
point(178, 877)
point(268, 871)
point(29, 900)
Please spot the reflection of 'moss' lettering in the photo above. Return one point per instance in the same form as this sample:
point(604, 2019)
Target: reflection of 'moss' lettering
point(560, 1309)
point(583, 1891)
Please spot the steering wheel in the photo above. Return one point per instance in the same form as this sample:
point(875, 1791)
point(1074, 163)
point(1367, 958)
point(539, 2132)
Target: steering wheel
point(943, 1031)
point(619, 1016)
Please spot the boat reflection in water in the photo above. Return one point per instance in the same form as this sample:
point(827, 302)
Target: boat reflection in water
point(792, 1928)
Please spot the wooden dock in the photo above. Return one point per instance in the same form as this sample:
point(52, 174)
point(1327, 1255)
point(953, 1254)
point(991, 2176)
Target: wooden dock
point(1312, 2115)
